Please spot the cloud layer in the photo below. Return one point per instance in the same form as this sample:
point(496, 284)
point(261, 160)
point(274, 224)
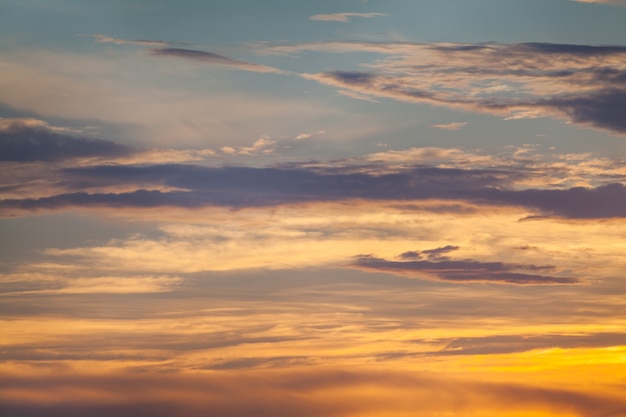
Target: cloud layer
point(182, 185)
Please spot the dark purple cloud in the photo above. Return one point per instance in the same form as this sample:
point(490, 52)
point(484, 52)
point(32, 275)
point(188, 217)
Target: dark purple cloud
point(604, 109)
point(571, 49)
point(211, 58)
point(23, 143)
point(463, 271)
point(239, 187)
point(606, 201)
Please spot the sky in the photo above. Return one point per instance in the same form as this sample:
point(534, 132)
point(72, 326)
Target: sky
point(338, 208)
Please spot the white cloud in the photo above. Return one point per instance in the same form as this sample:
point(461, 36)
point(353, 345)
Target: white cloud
point(450, 126)
point(308, 135)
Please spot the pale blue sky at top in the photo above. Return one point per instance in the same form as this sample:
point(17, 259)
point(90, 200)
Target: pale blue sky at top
point(238, 28)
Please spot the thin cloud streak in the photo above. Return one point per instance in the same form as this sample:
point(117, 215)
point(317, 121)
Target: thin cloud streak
point(610, 2)
point(139, 42)
point(344, 17)
point(213, 58)
point(460, 271)
point(197, 186)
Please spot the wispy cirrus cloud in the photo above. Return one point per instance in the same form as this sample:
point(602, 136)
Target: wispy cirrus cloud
point(585, 84)
point(139, 42)
point(213, 58)
point(179, 50)
point(344, 17)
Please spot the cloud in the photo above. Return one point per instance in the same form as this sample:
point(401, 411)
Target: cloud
point(139, 42)
point(26, 140)
point(163, 48)
point(344, 17)
point(438, 253)
point(464, 271)
point(241, 187)
point(611, 2)
point(213, 58)
point(309, 135)
point(182, 185)
point(603, 109)
point(585, 84)
point(450, 126)
point(607, 201)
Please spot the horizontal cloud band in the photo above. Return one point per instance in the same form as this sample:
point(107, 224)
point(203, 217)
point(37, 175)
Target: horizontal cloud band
point(238, 187)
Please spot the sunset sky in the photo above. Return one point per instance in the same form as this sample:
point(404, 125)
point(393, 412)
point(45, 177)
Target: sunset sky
point(313, 208)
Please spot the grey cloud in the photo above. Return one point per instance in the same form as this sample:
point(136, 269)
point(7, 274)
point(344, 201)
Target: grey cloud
point(409, 255)
point(24, 143)
point(463, 271)
point(604, 109)
point(431, 254)
point(212, 58)
point(439, 252)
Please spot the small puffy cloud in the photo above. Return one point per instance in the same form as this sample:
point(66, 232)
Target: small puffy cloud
point(344, 17)
point(308, 135)
point(450, 126)
point(262, 145)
